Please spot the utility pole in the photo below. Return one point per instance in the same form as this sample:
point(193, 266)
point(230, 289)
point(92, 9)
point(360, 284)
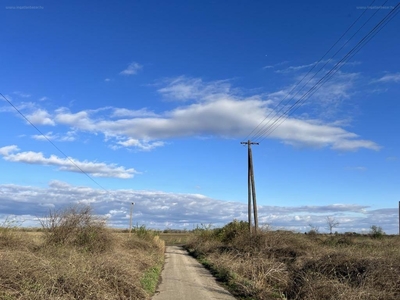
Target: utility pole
point(130, 219)
point(251, 187)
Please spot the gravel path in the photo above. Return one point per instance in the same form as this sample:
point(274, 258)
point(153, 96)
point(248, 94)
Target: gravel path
point(183, 278)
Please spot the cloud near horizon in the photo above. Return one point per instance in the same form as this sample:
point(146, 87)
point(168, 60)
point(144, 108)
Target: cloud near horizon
point(161, 210)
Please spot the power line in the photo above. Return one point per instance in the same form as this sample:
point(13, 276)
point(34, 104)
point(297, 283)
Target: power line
point(257, 132)
point(54, 145)
point(333, 71)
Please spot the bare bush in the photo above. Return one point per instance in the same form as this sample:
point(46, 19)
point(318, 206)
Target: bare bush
point(76, 226)
point(331, 223)
point(9, 234)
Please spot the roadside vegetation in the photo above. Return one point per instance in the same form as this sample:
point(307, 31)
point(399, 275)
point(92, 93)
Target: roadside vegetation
point(75, 256)
point(287, 265)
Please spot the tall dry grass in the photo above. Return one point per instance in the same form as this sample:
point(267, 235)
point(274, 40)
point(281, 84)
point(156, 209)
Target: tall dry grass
point(87, 261)
point(285, 265)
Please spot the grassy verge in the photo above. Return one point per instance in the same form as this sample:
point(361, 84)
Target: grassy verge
point(285, 265)
point(150, 278)
point(88, 261)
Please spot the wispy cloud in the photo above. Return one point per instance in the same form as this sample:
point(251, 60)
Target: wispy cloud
point(158, 209)
point(21, 94)
point(359, 168)
point(69, 136)
point(392, 158)
point(183, 88)
point(141, 145)
point(394, 77)
point(124, 112)
point(319, 64)
point(132, 69)
point(96, 169)
point(276, 65)
point(323, 101)
point(300, 67)
point(268, 67)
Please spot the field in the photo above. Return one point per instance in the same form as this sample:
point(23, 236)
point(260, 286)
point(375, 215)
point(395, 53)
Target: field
point(286, 265)
point(78, 257)
point(75, 256)
point(176, 239)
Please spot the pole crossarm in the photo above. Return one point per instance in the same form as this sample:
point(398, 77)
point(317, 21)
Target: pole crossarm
point(248, 142)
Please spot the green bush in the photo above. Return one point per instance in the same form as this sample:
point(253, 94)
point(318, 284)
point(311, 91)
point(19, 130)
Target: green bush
point(144, 233)
point(232, 230)
point(376, 232)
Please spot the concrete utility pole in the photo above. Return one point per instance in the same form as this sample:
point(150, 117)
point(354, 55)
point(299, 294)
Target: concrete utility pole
point(251, 187)
point(399, 217)
point(130, 219)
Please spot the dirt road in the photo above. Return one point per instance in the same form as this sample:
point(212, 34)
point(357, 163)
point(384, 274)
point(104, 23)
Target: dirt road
point(183, 278)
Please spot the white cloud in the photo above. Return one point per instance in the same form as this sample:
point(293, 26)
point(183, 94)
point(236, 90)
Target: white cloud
point(295, 68)
point(394, 77)
point(142, 145)
point(40, 117)
point(158, 209)
point(318, 64)
point(8, 149)
point(69, 136)
point(268, 67)
point(123, 112)
point(183, 88)
point(275, 65)
point(78, 120)
point(43, 99)
point(332, 92)
point(107, 80)
point(218, 112)
point(96, 169)
point(132, 69)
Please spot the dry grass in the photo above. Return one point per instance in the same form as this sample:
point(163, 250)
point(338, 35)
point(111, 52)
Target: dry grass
point(34, 266)
point(175, 239)
point(284, 265)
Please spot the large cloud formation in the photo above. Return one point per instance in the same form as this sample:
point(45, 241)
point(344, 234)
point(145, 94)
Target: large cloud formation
point(214, 109)
point(157, 209)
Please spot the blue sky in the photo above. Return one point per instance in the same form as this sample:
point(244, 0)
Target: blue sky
point(152, 99)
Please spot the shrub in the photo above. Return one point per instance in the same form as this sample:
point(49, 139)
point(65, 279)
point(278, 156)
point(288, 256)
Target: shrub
point(8, 234)
point(144, 233)
point(376, 232)
point(232, 230)
point(76, 226)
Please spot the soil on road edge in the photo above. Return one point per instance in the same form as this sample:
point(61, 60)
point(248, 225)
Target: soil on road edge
point(184, 278)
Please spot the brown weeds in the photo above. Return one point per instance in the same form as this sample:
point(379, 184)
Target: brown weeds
point(61, 265)
point(284, 265)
